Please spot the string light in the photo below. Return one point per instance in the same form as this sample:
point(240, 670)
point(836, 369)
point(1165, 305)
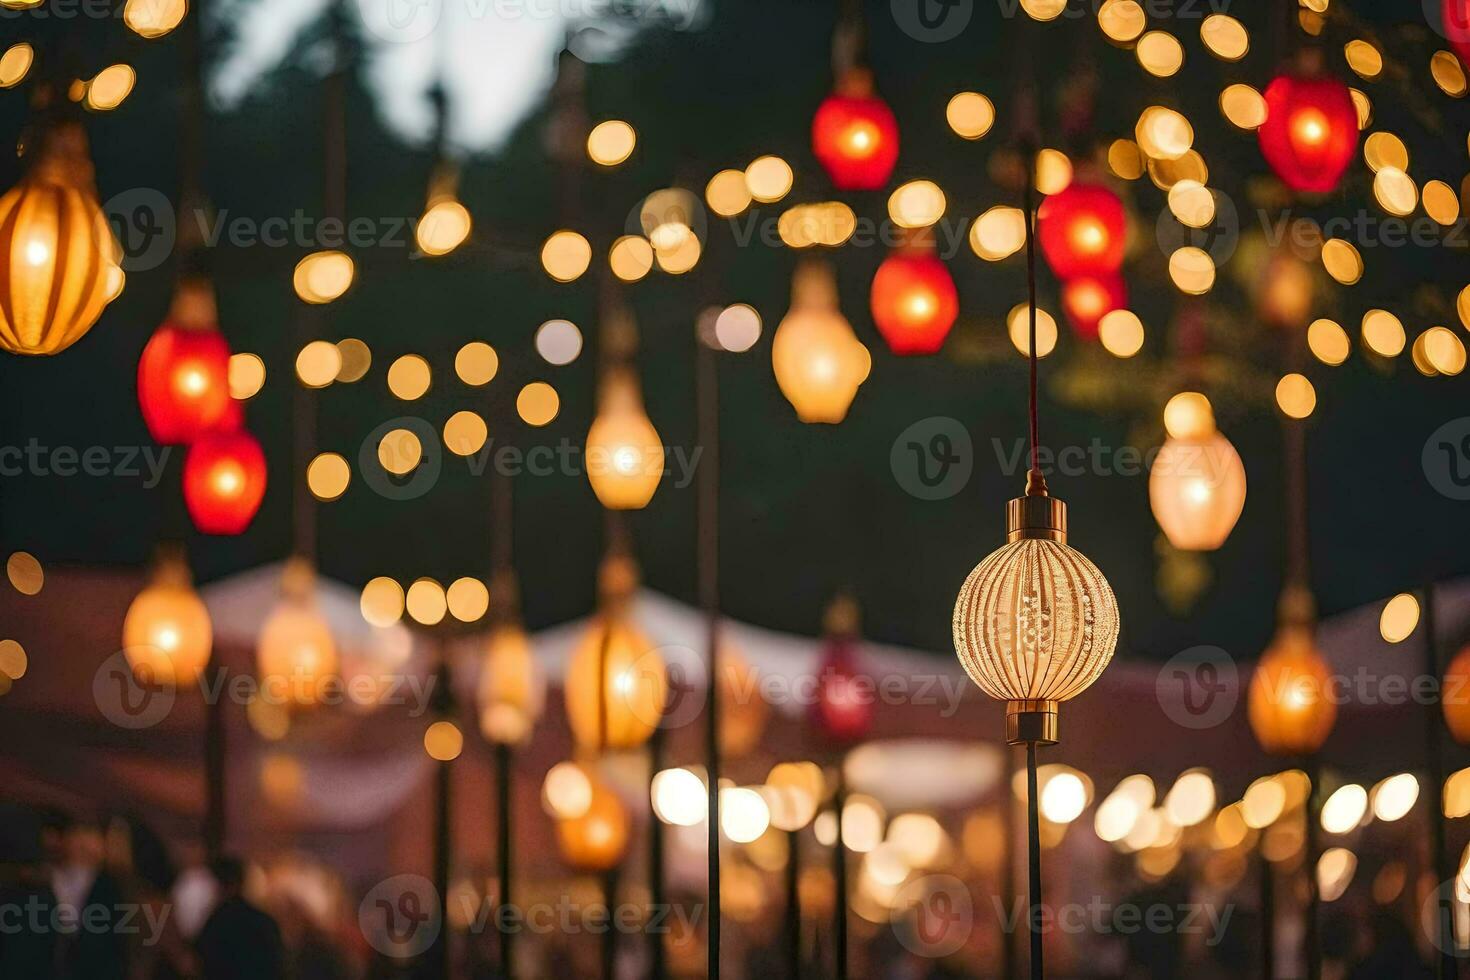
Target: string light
point(970, 115)
point(538, 403)
point(565, 256)
point(476, 363)
point(409, 377)
point(768, 179)
point(15, 64)
point(324, 276)
point(611, 142)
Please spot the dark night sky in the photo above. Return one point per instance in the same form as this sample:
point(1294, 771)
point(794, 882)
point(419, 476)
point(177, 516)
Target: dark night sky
point(806, 510)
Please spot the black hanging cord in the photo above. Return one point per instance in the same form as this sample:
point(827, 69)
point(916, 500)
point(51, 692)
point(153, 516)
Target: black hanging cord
point(707, 532)
point(1033, 862)
point(1031, 313)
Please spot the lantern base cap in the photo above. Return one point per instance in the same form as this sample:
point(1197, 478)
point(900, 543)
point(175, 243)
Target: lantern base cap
point(1031, 722)
point(1036, 516)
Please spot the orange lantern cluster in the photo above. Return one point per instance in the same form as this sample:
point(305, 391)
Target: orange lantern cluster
point(913, 297)
point(1311, 131)
point(225, 478)
point(183, 374)
point(1087, 299)
point(855, 134)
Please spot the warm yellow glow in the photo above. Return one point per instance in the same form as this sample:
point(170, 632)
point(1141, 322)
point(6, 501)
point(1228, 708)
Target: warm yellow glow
point(467, 599)
point(631, 257)
point(1125, 159)
point(818, 361)
point(829, 223)
point(1189, 167)
point(25, 573)
point(679, 797)
point(681, 258)
point(426, 602)
point(1395, 191)
point(1328, 342)
point(998, 233)
point(1441, 202)
point(1163, 133)
point(476, 363)
point(381, 602)
point(1191, 799)
point(727, 194)
point(1197, 489)
point(167, 635)
point(1189, 415)
point(616, 683)
point(1295, 396)
point(794, 789)
point(1225, 36)
point(1063, 798)
point(625, 456)
point(1363, 58)
point(1160, 53)
point(919, 838)
point(737, 328)
point(1121, 333)
point(916, 204)
point(1448, 73)
point(566, 793)
point(409, 377)
point(1395, 796)
point(611, 142)
point(1263, 803)
point(862, 823)
point(13, 663)
point(328, 476)
point(1243, 106)
point(1122, 20)
point(1192, 203)
point(1384, 333)
point(970, 115)
point(512, 689)
point(318, 364)
point(246, 375)
point(1053, 171)
point(443, 227)
point(443, 741)
point(565, 256)
point(400, 452)
point(1444, 351)
point(744, 815)
point(154, 18)
point(356, 358)
point(296, 654)
point(1018, 326)
point(1192, 270)
point(1457, 795)
point(1342, 261)
point(596, 840)
point(1383, 149)
point(1345, 809)
point(1121, 811)
point(768, 179)
point(323, 276)
point(112, 85)
point(1364, 106)
point(15, 64)
point(538, 403)
point(1044, 10)
point(465, 433)
point(1399, 618)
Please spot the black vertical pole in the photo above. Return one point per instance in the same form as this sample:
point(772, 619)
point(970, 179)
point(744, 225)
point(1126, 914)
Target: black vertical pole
point(1033, 864)
point(1446, 965)
point(215, 818)
point(839, 876)
point(610, 934)
point(1313, 816)
point(1267, 881)
point(708, 410)
point(1009, 959)
point(657, 967)
point(793, 904)
point(442, 829)
point(503, 859)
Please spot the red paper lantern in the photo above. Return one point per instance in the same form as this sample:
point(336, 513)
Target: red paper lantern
point(1082, 231)
point(183, 375)
point(1087, 299)
point(224, 481)
point(855, 136)
point(913, 299)
point(844, 703)
point(1310, 133)
point(1455, 15)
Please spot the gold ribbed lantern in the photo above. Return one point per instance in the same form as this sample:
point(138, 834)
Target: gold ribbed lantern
point(1036, 622)
point(57, 254)
point(1289, 703)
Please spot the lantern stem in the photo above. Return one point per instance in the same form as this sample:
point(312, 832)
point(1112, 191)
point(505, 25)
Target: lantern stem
point(1035, 481)
point(1033, 862)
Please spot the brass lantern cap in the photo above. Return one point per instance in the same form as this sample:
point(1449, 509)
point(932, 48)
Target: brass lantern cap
point(1036, 516)
point(1031, 722)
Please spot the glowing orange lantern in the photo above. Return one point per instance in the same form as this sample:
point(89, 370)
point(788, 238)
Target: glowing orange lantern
point(1455, 702)
point(855, 135)
point(167, 635)
point(818, 360)
point(597, 839)
point(296, 653)
point(1310, 133)
point(1197, 491)
point(512, 690)
point(1290, 703)
point(1082, 231)
point(743, 710)
point(224, 480)
point(1087, 299)
point(913, 298)
point(625, 456)
point(183, 375)
point(57, 253)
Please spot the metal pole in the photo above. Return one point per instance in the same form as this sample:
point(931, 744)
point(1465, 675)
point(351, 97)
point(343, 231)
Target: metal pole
point(1033, 863)
point(503, 858)
point(657, 968)
point(793, 904)
point(442, 839)
point(1009, 957)
point(1267, 875)
point(1446, 966)
point(839, 875)
point(1314, 816)
point(216, 820)
point(708, 410)
point(610, 934)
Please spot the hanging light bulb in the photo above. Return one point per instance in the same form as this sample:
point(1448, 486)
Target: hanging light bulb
point(625, 456)
point(225, 477)
point(296, 653)
point(1196, 487)
point(1087, 299)
point(616, 681)
point(855, 135)
point(166, 635)
point(913, 298)
point(818, 360)
point(1082, 231)
point(57, 253)
point(597, 839)
point(512, 690)
point(445, 223)
point(842, 710)
point(1289, 705)
point(183, 373)
point(1311, 131)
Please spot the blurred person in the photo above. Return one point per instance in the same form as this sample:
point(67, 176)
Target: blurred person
point(27, 947)
point(90, 905)
point(239, 941)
